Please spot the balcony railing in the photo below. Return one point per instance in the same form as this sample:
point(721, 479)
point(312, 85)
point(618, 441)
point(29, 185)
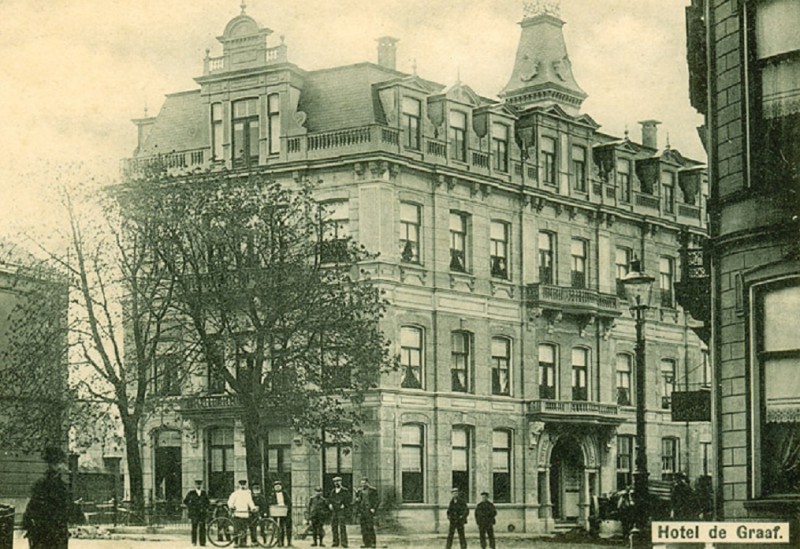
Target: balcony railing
point(647, 200)
point(210, 403)
point(685, 210)
point(164, 163)
point(571, 299)
point(575, 411)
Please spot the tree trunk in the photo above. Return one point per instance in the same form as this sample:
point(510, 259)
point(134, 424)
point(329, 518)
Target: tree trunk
point(252, 444)
point(134, 457)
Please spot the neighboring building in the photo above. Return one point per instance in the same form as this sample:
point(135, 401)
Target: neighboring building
point(503, 228)
point(744, 59)
point(21, 467)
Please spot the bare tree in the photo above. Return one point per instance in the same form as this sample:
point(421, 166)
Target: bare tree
point(274, 297)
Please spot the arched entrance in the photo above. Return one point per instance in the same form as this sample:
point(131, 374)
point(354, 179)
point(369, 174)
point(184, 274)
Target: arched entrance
point(566, 479)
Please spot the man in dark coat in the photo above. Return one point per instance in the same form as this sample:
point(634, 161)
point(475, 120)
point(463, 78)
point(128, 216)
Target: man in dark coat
point(45, 519)
point(197, 504)
point(682, 499)
point(366, 505)
point(485, 514)
point(263, 509)
point(279, 498)
point(339, 501)
point(457, 513)
point(316, 513)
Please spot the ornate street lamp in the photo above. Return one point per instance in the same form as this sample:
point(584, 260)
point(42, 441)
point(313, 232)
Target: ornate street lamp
point(638, 286)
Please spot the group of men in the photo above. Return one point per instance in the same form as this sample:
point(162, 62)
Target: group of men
point(485, 516)
point(243, 502)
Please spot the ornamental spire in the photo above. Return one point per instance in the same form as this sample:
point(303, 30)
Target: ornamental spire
point(534, 8)
point(243, 5)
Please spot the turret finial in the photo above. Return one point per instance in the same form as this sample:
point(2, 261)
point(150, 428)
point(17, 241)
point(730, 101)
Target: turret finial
point(626, 133)
point(532, 8)
point(243, 5)
point(414, 66)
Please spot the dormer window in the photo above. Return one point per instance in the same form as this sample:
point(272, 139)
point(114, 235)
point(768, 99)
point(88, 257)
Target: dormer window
point(412, 114)
point(245, 132)
point(216, 131)
point(274, 122)
point(668, 191)
point(458, 136)
point(500, 146)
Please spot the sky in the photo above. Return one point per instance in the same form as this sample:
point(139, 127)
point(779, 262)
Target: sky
point(73, 73)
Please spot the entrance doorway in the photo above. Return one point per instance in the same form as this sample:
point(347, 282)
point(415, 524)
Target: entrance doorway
point(168, 467)
point(566, 479)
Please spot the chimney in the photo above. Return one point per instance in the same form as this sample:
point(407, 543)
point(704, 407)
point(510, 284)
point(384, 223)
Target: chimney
point(387, 52)
point(650, 133)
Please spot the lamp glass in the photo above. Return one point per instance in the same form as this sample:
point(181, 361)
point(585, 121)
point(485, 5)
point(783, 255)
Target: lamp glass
point(638, 287)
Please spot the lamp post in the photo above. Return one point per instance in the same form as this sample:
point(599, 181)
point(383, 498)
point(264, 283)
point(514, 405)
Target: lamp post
point(638, 286)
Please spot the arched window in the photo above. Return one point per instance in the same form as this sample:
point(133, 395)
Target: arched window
point(412, 463)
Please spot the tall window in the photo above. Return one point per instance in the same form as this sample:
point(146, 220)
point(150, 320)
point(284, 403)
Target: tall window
point(501, 466)
point(460, 367)
point(547, 372)
point(670, 463)
point(705, 452)
point(274, 122)
point(622, 261)
point(458, 135)
point(412, 458)
point(498, 249)
point(409, 232)
point(458, 241)
point(667, 382)
point(547, 271)
point(549, 161)
point(579, 255)
point(501, 366)
point(220, 462)
point(579, 168)
point(706, 367)
point(337, 460)
point(216, 131)
point(411, 357)
point(166, 378)
point(412, 114)
point(668, 191)
point(461, 449)
point(215, 379)
point(336, 232)
point(245, 132)
point(500, 146)
point(278, 457)
point(624, 179)
point(624, 363)
point(776, 363)
point(625, 446)
point(580, 367)
point(666, 279)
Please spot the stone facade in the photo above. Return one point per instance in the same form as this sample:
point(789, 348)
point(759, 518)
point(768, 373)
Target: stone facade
point(753, 252)
point(502, 228)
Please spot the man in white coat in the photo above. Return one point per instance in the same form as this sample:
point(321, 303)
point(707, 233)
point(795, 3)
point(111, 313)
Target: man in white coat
point(241, 505)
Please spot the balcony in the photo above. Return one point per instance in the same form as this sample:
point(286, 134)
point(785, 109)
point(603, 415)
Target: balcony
point(210, 405)
point(581, 301)
point(570, 411)
point(174, 163)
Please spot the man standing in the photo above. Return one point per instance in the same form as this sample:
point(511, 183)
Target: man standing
point(282, 503)
point(241, 505)
point(485, 514)
point(46, 516)
point(263, 508)
point(339, 503)
point(457, 513)
point(317, 512)
point(366, 504)
point(197, 503)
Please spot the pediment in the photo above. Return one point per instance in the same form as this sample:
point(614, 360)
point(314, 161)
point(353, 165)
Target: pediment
point(463, 94)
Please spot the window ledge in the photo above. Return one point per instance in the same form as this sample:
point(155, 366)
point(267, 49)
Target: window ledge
point(460, 279)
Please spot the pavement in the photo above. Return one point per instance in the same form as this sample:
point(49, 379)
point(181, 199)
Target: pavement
point(132, 538)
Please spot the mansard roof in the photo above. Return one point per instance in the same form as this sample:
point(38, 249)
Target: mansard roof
point(181, 125)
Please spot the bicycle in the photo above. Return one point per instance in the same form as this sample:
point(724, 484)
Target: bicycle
point(221, 531)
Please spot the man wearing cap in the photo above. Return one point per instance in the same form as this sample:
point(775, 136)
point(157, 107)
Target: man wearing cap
point(263, 509)
point(339, 501)
point(485, 514)
point(457, 513)
point(316, 513)
point(366, 504)
point(241, 505)
point(280, 498)
point(197, 503)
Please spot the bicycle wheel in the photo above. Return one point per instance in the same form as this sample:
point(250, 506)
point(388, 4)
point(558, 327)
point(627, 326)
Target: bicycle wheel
point(268, 533)
point(220, 532)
